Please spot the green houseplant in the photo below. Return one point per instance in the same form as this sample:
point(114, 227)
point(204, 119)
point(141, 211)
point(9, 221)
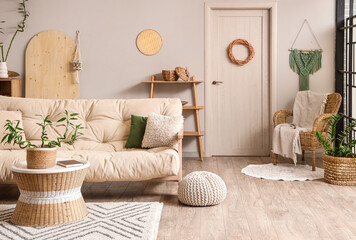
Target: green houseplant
point(43, 155)
point(339, 158)
point(20, 28)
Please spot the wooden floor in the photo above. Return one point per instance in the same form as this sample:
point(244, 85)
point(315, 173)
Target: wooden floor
point(254, 208)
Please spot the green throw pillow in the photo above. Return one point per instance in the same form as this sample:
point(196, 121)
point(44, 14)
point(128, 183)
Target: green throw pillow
point(138, 126)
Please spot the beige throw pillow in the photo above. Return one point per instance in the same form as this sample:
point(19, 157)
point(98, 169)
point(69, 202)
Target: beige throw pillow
point(12, 116)
point(161, 131)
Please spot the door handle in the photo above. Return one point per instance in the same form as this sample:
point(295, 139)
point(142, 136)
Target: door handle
point(216, 82)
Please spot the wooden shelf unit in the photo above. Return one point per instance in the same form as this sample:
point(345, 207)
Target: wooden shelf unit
point(175, 82)
point(198, 133)
point(10, 87)
point(193, 134)
point(192, 107)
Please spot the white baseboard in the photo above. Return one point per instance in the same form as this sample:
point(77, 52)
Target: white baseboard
point(319, 152)
point(191, 154)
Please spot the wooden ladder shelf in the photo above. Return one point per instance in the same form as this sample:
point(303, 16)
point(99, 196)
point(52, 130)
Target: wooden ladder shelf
point(198, 133)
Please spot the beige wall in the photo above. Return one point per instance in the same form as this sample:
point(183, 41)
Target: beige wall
point(114, 68)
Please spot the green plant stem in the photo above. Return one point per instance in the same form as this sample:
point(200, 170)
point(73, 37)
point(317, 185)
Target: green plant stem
point(67, 126)
point(14, 134)
point(20, 28)
point(2, 53)
point(8, 50)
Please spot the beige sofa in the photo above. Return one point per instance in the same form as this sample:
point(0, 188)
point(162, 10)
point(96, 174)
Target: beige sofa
point(107, 126)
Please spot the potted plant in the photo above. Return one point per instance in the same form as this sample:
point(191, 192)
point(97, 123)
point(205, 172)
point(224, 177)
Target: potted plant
point(20, 28)
point(339, 159)
point(43, 155)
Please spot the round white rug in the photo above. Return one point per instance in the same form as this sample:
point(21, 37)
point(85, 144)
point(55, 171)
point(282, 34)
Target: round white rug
point(283, 171)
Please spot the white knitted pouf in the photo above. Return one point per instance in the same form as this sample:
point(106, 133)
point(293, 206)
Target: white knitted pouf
point(201, 189)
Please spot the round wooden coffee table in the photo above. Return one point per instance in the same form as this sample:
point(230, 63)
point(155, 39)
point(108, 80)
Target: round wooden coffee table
point(50, 196)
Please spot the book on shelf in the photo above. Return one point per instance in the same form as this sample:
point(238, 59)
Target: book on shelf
point(70, 163)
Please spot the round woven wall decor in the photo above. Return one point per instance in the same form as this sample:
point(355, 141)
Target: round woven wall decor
point(242, 42)
point(149, 42)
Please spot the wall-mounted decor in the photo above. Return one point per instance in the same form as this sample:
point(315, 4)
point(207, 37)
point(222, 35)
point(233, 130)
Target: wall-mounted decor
point(245, 43)
point(77, 63)
point(149, 42)
point(305, 61)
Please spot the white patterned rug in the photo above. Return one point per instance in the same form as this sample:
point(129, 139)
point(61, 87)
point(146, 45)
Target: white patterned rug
point(114, 220)
point(283, 171)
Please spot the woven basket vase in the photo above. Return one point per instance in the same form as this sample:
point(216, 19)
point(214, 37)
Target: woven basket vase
point(202, 189)
point(339, 171)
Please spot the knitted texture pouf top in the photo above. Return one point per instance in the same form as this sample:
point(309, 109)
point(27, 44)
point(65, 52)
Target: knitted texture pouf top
point(202, 189)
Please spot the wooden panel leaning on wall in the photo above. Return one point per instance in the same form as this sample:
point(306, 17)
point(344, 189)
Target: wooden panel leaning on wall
point(49, 69)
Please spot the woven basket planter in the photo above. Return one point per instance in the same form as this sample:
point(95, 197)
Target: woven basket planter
point(339, 171)
point(41, 158)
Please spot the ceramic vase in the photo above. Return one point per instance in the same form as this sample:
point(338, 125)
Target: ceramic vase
point(3, 70)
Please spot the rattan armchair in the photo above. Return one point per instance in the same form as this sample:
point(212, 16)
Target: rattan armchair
point(308, 140)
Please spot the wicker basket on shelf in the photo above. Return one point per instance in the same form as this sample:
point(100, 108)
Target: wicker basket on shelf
point(169, 75)
point(339, 170)
point(183, 73)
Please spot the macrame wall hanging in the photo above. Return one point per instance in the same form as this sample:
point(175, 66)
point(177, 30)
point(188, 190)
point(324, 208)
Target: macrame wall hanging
point(305, 61)
point(77, 63)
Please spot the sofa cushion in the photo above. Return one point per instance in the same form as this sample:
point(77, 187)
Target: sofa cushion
point(161, 131)
point(106, 122)
point(137, 130)
point(12, 116)
point(128, 165)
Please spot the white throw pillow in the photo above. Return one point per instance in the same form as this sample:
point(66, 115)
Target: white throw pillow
point(161, 131)
point(12, 116)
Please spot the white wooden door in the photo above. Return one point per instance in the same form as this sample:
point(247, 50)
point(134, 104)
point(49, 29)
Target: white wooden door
point(238, 114)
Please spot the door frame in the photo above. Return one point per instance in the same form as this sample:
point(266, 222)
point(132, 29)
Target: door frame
point(272, 8)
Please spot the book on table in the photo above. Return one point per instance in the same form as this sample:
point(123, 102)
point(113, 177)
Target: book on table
point(70, 163)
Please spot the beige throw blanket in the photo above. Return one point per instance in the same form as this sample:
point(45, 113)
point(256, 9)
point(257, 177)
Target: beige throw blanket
point(307, 106)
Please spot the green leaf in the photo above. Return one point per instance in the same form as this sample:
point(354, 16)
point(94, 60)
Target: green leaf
point(4, 138)
point(62, 119)
point(74, 114)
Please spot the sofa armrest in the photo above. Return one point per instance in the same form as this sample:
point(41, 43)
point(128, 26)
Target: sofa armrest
point(180, 152)
point(180, 134)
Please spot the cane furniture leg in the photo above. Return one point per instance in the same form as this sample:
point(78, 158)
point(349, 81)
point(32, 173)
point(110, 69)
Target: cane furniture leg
point(313, 160)
point(275, 158)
